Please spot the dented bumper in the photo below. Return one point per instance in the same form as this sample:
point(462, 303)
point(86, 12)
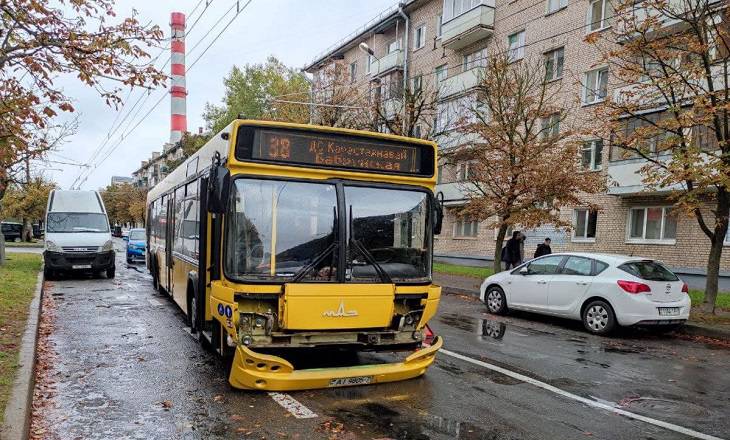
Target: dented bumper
point(257, 371)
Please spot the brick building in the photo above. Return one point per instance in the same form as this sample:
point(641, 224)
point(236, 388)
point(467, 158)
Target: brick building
point(442, 44)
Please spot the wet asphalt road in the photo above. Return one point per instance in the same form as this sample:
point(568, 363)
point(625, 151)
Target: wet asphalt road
point(126, 368)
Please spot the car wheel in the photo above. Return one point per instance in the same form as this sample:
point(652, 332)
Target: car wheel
point(598, 318)
point(110, 272)
point(129, 260)
point(495, 300)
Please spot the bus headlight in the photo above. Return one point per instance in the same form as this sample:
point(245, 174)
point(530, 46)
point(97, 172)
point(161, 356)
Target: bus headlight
point(52, 247)
point(109, 245)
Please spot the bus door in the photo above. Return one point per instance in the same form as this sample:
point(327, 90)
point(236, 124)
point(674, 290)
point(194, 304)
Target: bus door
point(169, 243)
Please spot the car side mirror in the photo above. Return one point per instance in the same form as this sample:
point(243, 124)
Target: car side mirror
point(438, 212)
point(524, 270)
point(218, 188)
point(126, 238)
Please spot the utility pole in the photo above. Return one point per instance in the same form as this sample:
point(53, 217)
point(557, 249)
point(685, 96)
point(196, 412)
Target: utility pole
point(27, 227)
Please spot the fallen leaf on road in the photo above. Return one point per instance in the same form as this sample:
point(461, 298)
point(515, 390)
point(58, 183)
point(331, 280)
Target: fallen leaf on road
point(166, 404)
point(218, 398)
point(236, 417)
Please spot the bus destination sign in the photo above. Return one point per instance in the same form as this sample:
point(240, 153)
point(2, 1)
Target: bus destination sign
point(337, 151)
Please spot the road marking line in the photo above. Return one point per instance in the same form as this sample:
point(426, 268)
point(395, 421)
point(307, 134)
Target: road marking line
point(293, 406)
point(589, 402)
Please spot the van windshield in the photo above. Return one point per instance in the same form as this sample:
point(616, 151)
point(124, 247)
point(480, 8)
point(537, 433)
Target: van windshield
point(77, 222)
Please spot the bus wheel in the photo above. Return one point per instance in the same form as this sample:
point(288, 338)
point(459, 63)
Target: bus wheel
point(155, 277)
point(192, 315)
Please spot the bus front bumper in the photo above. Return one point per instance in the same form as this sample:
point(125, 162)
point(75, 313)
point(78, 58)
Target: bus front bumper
point(257, 371)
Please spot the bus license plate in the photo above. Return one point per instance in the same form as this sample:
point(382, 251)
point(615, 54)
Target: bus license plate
point(81, 266)
point(668, 311)
point(347, 381)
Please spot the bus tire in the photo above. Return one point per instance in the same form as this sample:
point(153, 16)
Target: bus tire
point(155, 276)
point(192, 315)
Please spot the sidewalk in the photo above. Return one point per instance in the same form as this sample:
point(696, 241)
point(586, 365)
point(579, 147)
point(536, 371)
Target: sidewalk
point(461, 285)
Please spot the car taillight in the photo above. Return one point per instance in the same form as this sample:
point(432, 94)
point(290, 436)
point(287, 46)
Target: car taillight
point(685, 288)
point(633, 286)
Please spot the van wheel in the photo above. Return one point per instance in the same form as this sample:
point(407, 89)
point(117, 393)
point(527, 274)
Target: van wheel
point(598, 317)
point(49, 274)
point(110, 272)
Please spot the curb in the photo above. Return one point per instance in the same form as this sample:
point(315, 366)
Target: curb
point(688, 328)
point(17, 413)
point(701, 330)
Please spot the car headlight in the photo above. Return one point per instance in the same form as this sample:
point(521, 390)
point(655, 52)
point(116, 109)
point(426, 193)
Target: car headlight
point(108, 246)
point(53, 247)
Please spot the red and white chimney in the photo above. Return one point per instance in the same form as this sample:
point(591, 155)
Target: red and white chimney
point(178, 93)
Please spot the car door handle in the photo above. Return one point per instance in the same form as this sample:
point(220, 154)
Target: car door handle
point(541, 282)
point(581, 283)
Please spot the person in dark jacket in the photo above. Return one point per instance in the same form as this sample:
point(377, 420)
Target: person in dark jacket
point(543, 249)
point(512, 252)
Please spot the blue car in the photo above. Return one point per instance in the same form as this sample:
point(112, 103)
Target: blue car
point(136, 244)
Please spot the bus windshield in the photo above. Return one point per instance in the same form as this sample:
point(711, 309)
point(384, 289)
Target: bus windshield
point(77, 222)
point(289, 232)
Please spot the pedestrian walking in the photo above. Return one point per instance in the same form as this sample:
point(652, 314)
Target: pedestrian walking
point(512, 252)
point(543, 248)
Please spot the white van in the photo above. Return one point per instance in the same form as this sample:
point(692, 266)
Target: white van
point(77, 234)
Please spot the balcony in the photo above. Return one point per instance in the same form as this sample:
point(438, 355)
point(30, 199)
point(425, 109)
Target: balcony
point(468, 28)
point(388, 63)
point(461, 83)
point(666, 24)
point(625, 179)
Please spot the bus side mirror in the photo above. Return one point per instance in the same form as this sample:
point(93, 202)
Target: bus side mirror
point(438, 213)
point(219, 184)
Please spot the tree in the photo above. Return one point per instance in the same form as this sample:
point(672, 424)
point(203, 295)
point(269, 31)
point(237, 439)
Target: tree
point(250, 90)
point(523, 166)
point(672, 107)
point(410, 113)
point(125, 204)
point(40, 41)
point(337, 102)
point(27, 202)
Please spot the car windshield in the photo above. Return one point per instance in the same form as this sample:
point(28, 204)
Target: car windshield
point(136, 235)
point(289, 232)
point(649, 270)
point(277, 230)
point(77, 222)
point(387, 235)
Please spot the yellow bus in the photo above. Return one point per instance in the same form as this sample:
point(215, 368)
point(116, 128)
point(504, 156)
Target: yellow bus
point(278, 240)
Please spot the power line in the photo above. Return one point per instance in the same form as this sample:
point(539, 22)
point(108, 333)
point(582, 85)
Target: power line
point(154, 106)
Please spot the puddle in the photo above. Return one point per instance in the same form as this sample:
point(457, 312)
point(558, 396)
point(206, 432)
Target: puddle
point(668, 407)
point(458, 321)
point(586, 362)
point(493, 329)
point(623, 349)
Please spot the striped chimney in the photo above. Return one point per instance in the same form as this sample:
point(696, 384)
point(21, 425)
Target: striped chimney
point(178, 93)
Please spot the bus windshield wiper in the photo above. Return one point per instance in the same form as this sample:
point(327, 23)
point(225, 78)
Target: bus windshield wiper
point(370, 259)
point(317, 259)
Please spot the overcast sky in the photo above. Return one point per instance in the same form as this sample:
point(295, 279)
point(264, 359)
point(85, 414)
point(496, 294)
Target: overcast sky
point(295, 31)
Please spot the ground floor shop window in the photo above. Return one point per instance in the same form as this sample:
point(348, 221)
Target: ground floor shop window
point(652, 224)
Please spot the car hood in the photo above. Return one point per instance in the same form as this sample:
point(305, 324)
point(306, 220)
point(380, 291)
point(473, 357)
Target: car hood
point(137, 242)
point(79, 239)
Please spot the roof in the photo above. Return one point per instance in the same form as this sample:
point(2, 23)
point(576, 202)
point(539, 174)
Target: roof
point(379, 22)
point(606, 257)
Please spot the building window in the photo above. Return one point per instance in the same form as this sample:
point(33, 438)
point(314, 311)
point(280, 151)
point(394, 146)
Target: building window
point(418, 83)
point(596, 86)
point(652, 224)
point(591, 157)
point(440, 174)
point(474, 59)
point(555, 5)
point(516, 43)
point(554, 64)
point(369, 63)
point(394, 45)
point(550, 126)
point(462, 171)
point(466, 228)
point(439, 24)
point(454, 8)
point(353, 71)
point(441, 72)
point(584, 224)
point(599, 14)
point(420, 37)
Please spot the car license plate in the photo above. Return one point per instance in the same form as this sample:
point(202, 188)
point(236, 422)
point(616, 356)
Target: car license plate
point(81, 266)
point(668, 311)
point(347, 381)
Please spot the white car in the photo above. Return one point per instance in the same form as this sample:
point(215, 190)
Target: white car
point(602, 290)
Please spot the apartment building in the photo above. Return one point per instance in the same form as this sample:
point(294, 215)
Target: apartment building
point(442, 43)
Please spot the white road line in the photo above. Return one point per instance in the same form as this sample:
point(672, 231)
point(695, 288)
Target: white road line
point(293, 406)
point(589, 402)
